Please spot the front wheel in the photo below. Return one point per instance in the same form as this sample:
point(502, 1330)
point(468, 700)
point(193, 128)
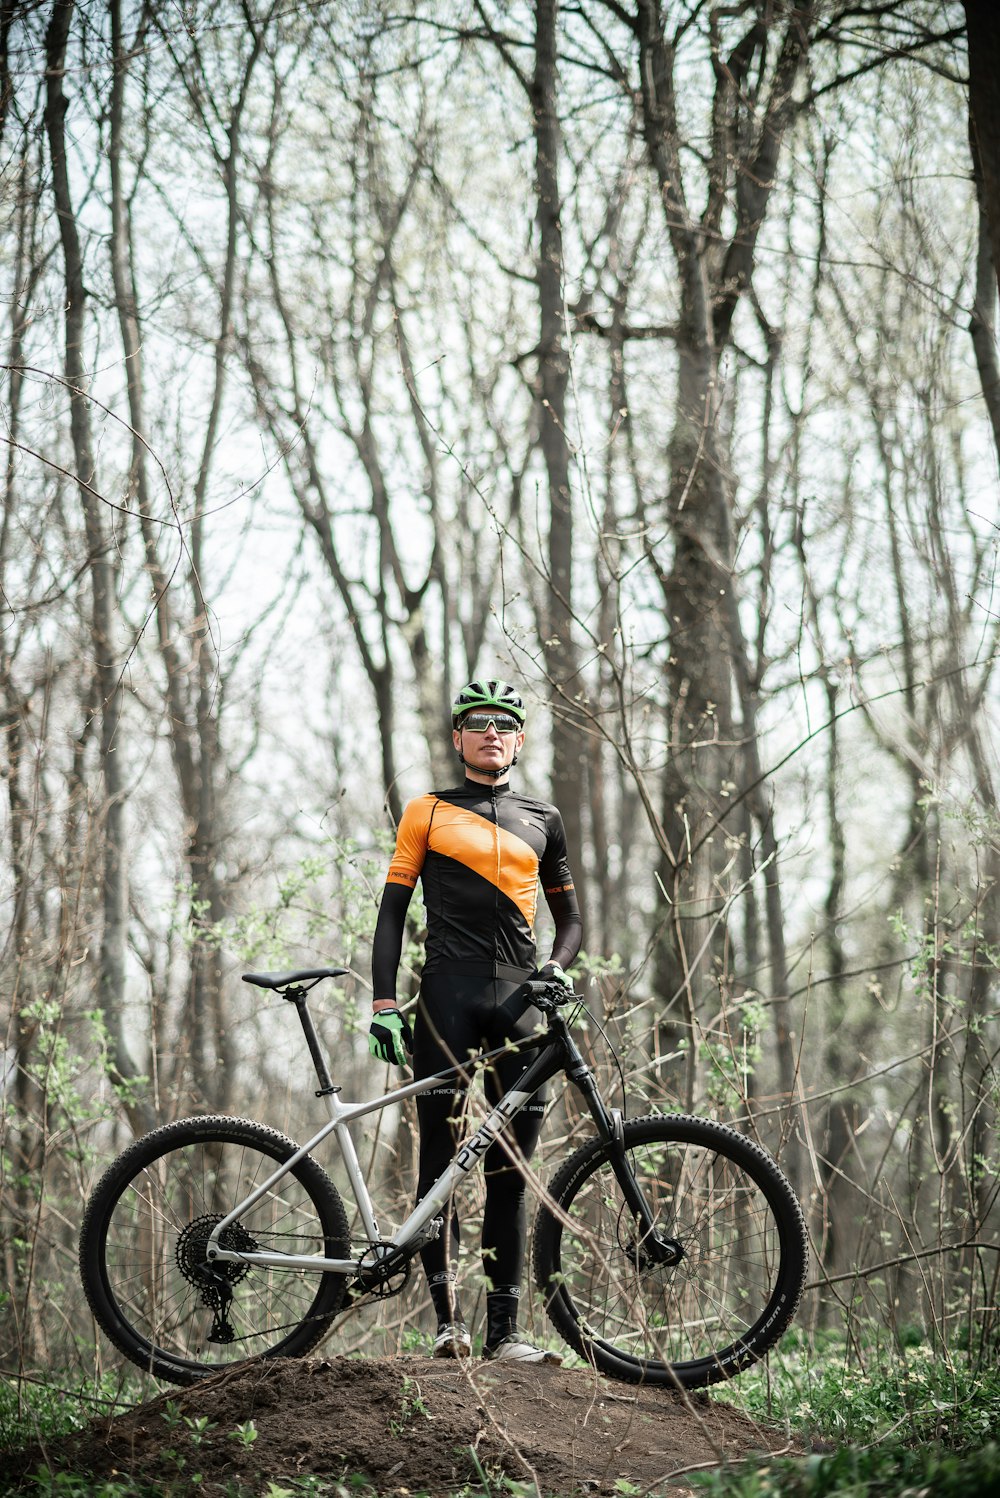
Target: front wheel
point(142, 1249)
point(715, 1289)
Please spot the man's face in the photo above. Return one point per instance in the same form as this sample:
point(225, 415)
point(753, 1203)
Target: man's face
point(486, 749)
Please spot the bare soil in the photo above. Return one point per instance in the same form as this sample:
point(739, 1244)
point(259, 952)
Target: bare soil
point(410, 1425)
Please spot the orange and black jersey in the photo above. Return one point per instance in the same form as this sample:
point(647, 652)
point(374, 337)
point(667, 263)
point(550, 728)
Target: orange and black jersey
point(479, 852)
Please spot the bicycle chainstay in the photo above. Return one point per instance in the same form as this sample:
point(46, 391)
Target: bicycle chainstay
point(387, 1276)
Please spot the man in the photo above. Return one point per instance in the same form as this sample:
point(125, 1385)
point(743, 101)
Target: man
point(479, 852)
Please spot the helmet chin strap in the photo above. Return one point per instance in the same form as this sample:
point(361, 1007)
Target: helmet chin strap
point(493, 774)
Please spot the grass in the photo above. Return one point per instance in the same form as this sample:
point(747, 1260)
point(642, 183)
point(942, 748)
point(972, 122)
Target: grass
point(873, 1395)
point(76, 1485)
point(889, 1421)
point(33, 1410)
point(867, 1472)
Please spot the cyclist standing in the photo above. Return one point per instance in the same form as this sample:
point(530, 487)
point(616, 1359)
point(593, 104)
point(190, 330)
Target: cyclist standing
point(479, 851)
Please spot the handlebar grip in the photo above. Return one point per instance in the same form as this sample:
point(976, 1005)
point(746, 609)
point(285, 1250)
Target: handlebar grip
point(546, 994)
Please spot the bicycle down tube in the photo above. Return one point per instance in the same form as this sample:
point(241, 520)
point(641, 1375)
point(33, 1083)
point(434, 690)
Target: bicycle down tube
point(467, 1156)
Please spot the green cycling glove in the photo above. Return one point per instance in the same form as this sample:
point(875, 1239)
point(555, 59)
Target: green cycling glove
point(390, 1037)
point(553, 973)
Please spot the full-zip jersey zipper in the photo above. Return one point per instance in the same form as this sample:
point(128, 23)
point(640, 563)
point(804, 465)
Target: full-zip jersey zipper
point(496, 880)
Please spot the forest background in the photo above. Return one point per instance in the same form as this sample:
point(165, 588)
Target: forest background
point(641, 353)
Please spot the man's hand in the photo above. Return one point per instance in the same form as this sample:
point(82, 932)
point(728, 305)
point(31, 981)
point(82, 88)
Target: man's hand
point(553, 973)
point(390, 1037)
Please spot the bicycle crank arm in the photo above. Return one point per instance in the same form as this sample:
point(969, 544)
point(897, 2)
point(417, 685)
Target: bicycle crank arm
point(384, 1261)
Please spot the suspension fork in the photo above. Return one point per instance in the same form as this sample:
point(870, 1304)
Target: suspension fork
point(611, 1128)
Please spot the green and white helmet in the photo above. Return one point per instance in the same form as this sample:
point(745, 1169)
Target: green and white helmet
point(478, 695)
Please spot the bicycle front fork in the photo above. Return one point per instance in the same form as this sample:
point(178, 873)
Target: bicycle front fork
point(653, 1247)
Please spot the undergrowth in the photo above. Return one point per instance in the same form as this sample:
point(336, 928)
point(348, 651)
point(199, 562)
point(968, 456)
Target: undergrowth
point(39, 1410)
point(882, 1422)
point(889, 1471)
point(863, 1395)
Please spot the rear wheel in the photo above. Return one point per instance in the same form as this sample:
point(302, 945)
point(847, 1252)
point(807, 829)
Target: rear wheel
point(143, 1241)
point(715, 1288)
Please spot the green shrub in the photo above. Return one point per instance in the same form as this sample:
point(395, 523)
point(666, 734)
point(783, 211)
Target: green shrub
point(31, 1411)
point(876, 1472)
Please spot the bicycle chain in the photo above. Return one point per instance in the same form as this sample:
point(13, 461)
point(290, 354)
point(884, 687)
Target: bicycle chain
point(236, 1239)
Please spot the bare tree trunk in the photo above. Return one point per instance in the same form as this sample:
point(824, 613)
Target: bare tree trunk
point(983, 25)
point(193, 685)
point(984, 123)
point(568, 740)
point(206, 999)
point(111, 972)
point(25, 1137)
point(26, 1141)
point(8, 10)
point(709, 665)
point(351, 359)
point(983, 323)
point(306, 476)
point(127, 305)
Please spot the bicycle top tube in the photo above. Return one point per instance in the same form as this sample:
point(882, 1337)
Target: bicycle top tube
point(548, 997)
point(512, 1047)
point(346, 1111)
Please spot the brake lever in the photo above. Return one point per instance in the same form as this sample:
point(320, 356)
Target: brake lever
point(547, 994)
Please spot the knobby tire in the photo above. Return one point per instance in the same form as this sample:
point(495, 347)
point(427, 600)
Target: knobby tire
point(743, 1254)
point(143, 1231)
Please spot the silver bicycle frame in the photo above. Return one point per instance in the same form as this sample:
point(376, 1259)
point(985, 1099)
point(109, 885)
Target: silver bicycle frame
point(466, 1158)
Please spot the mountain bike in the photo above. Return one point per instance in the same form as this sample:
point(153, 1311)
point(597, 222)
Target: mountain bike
point(667, 1249)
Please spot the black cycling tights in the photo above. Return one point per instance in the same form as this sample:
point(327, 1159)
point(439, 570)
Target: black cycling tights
point(458, 1017)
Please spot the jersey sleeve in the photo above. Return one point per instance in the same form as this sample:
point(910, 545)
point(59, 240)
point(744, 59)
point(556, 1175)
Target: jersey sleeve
point(387, 943)
point(553, 868)
point(411, 843)
point(560, 894)
point(404, 871)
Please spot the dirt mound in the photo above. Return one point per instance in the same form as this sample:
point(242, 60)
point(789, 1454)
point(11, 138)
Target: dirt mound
point(410, 1425)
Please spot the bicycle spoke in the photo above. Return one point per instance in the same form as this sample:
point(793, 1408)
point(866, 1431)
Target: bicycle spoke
point(707, 1294)
point(144, 1249)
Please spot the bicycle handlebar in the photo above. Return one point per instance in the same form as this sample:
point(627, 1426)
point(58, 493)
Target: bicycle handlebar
point(548, 995)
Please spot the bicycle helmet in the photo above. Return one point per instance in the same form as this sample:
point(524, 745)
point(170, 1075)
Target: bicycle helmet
point(485, 694)
point(488, 694)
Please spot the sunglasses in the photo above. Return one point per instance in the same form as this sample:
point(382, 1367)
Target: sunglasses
point(480, 722)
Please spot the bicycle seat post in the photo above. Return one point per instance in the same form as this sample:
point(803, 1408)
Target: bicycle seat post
point(297, 996)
